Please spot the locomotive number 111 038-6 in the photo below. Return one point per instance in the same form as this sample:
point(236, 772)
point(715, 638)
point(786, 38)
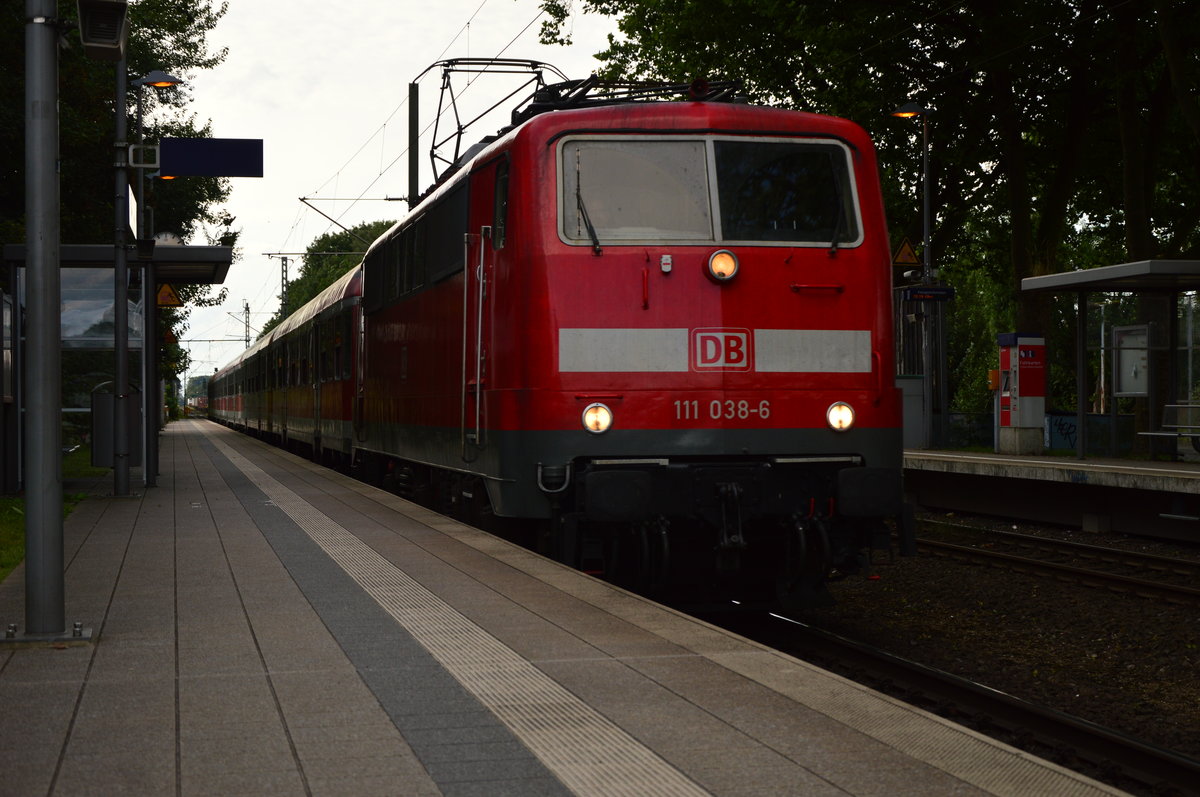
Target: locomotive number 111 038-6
point(718, 409)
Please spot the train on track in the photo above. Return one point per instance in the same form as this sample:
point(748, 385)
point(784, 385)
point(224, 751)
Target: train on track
point(659, 332)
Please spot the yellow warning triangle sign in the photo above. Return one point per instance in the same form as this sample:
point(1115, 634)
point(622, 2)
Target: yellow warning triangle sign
point(167, 297)
point(905, 256)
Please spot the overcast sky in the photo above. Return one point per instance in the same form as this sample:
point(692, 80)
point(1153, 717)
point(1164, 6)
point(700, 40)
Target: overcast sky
point(324, 84)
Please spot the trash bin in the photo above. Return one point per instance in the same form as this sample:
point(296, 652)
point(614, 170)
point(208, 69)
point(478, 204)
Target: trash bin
point(103, 432)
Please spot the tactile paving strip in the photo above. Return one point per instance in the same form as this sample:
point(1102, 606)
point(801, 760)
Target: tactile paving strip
point(584, 749)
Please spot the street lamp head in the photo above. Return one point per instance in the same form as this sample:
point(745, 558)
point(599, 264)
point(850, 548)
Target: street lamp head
point(104, 28)
point(158, 79)
point(909, 110)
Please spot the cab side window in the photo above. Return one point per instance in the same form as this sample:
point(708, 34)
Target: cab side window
point(500, 209)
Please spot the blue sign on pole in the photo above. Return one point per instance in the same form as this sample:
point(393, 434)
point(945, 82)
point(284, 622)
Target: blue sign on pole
point(928, 293)
point(210, 157)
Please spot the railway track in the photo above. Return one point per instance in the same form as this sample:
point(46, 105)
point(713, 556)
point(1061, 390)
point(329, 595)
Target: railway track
point(1045, 557)
point(1123, 760)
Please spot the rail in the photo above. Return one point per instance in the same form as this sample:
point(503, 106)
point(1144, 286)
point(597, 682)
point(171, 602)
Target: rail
point(1112, 582)
point(1163, 771)
point(1185, 569)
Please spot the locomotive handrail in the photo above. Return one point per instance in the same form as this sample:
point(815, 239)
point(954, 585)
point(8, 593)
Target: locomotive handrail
point(466, 304)
point(485, 234)
point(473, 386)
point(836, 288)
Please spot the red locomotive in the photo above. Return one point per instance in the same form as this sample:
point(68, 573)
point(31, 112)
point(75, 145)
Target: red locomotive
point(661, 329)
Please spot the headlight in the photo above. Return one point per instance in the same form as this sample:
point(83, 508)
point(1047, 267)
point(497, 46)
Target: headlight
point(840, 416)
point(597, 418)
point(722, 265)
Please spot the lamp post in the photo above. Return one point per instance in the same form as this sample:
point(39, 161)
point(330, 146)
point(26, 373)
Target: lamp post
point(103, 25)
point(44, 598)
point(150, 403)
point(121, 289)
point(907, 111)
point(159, 80)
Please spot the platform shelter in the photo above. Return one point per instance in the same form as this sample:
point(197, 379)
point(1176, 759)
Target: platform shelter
point(1138, 349)
point(86, 319)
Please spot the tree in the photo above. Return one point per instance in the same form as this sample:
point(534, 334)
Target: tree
point(1064, 135)
point(327, 258)
point(197, 386)
point(164, 34)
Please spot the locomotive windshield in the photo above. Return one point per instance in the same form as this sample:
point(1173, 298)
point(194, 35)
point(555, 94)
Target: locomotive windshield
point(622, 189)
point(784, 192)
point(637, 190)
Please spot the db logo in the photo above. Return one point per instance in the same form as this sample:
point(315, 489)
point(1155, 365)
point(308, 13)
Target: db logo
point(720, 350)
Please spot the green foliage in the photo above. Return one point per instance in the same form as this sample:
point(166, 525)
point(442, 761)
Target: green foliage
point(196, 386)
point(324, 262)
point(164, 34)
point(1064, 134)
point(12, 534)
point(76, 464)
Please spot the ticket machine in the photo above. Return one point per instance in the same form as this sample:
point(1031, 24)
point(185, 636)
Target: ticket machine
point(1022, 393)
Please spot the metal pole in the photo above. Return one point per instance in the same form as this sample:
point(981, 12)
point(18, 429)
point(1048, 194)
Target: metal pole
point(1103, 377)
point(149, 324)
point(414, 185)
point(139, 183)
point(929, 305)
point(926, 255)
point(1114, 408)
point(120, 293)
point(1191, 382)
point(44, 603)
point(150, 380)
point(1081, 375)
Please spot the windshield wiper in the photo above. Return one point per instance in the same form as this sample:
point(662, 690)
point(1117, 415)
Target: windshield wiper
point(587, 222)
point(841, 209)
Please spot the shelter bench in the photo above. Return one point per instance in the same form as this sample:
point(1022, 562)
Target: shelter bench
point(1181, 422)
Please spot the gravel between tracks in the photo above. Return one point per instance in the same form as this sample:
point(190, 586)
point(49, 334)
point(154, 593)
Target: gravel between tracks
point(1124, 662)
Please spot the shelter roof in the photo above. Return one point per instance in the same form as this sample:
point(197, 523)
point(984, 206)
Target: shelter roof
point(1142, 275)
point(178, 265)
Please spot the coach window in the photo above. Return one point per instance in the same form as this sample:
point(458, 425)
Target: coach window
point(415, 277)
point(444, 225)
point(329, 368)
point(336, 373)
point(308, 364)
point(405, 245)
point(500, 208)
point(635, 189)
point(393, 250)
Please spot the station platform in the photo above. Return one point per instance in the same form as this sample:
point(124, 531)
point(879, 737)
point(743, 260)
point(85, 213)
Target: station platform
point(1143, 497)
point(264, 626)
